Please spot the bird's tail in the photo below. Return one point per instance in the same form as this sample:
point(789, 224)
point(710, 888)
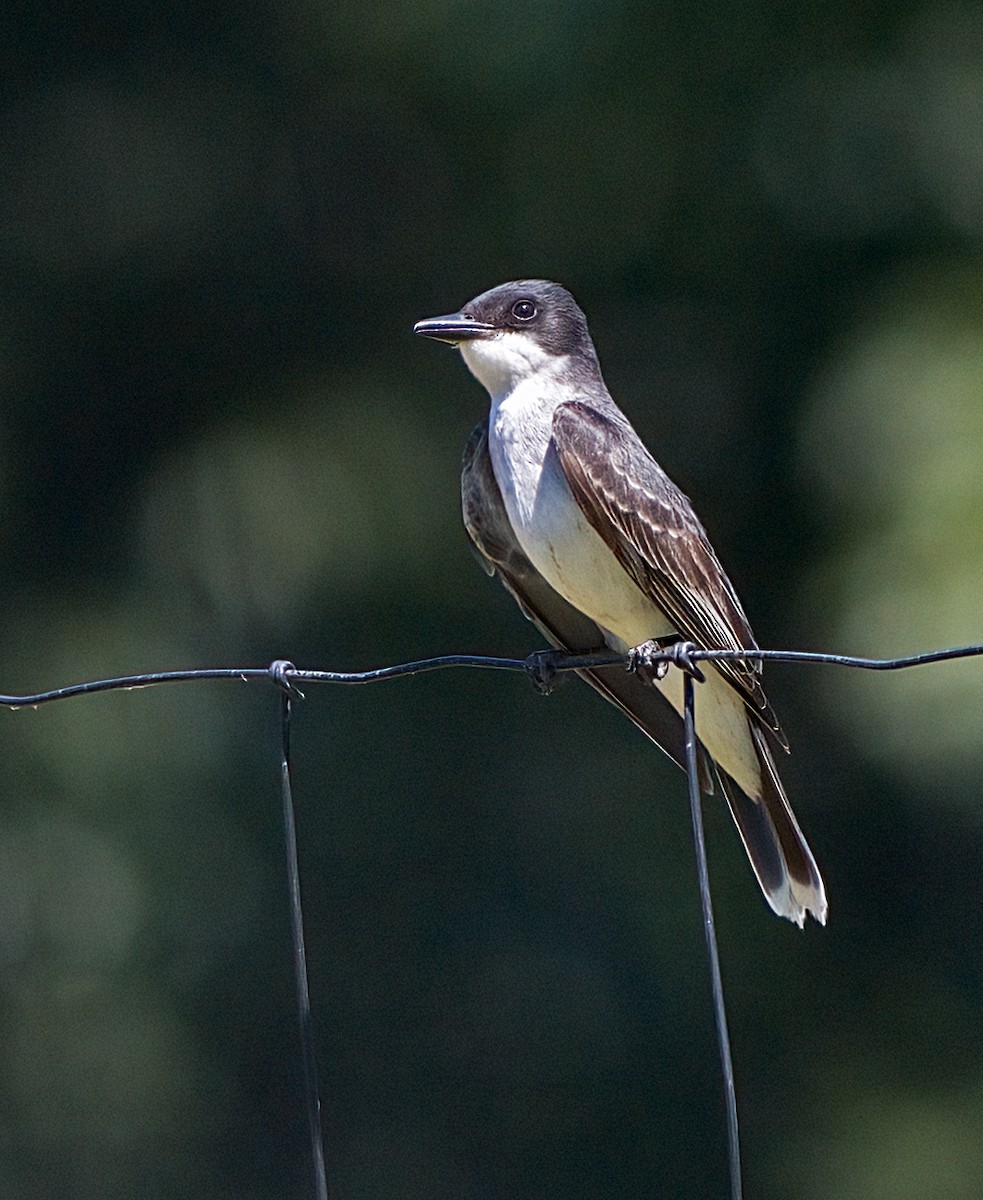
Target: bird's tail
point(779, 853)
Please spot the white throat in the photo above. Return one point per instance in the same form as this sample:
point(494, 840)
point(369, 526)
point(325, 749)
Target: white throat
point(502, 362)
point(525, 383)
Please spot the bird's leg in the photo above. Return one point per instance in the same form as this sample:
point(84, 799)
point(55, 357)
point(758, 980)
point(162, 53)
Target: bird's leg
point(653, 659)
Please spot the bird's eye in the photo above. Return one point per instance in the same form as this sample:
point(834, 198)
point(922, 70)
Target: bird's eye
point(523, 310)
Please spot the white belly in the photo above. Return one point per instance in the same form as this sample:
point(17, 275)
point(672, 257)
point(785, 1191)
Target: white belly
point(578, 563)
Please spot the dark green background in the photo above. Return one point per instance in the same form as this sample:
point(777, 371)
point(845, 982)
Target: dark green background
point(220, 444)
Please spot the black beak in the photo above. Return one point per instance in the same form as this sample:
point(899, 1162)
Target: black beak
point(454, 328)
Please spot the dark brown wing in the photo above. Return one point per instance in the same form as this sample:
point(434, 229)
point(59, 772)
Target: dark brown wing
point(652, 529)
point(564, 627)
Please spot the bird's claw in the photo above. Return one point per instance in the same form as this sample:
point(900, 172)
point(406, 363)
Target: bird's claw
point(648, 660)
point(653, 659)
point(541, 668)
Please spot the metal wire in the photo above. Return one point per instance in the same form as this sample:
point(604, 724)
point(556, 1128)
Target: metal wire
point(532, 664)
point(710, 932)
point(312, 1093)
point(539, 667)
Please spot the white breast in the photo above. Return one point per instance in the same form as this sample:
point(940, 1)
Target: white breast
point(549, 524)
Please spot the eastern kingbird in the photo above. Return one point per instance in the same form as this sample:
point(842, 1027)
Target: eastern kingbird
point(602, 550)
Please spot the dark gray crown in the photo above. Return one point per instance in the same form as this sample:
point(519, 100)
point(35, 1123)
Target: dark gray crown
point(541, 309)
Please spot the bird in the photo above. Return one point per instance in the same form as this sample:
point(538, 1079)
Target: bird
point(601, 550)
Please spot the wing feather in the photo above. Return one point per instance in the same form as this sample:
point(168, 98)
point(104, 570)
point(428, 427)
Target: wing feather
point(652, 529)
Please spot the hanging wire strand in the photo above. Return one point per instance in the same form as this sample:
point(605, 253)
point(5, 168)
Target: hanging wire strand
point(539, 667)
point(312, 1093)
point(710, 932)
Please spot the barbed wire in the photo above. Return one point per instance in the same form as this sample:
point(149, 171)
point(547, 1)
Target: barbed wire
point(540, 666)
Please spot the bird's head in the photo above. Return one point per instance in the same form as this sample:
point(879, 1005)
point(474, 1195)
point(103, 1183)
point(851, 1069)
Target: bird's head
point(514, 331)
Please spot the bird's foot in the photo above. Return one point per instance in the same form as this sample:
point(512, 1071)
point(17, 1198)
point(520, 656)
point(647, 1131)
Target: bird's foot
point(653, 659)
point(541, 669)
point(649, 661)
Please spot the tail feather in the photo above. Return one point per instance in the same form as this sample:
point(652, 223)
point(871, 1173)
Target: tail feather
point(779, 853)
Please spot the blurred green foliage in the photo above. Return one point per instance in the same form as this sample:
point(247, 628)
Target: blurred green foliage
point(220, 444)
